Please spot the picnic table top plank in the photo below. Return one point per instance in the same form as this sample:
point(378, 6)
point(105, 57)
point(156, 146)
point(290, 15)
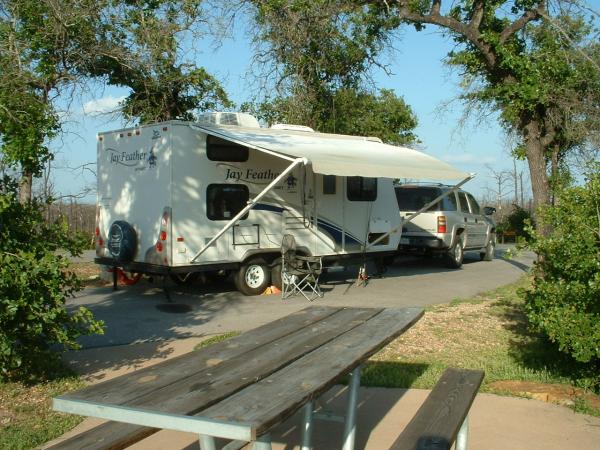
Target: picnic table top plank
point(126, 388)
point(310, 376)
point(212, 384)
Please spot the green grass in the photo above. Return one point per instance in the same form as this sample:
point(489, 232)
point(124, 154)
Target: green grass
point(26, 417)
point(217, 338)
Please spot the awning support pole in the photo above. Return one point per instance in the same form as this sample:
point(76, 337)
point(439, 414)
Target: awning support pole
point(423, 209)
point(250, 204)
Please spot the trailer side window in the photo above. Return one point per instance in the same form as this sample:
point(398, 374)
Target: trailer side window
point(218, 149)
point(361, 189)
point(224, 201)
point(329, 184)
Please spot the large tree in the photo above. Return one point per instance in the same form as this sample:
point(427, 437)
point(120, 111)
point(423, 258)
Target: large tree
point(144, 42)
point(535, 66)
point(43, 47)
point(318, 55)
point(525, 61)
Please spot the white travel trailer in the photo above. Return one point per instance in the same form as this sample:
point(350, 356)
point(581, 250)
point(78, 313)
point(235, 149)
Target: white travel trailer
point(179, 198)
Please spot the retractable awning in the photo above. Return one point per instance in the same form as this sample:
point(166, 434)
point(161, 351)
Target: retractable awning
point(332, 154)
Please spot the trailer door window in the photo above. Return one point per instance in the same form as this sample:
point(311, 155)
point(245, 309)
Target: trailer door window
point(224, 201)
point(361, 189)
point(218, 149)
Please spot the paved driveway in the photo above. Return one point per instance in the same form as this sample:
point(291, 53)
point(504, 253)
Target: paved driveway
point(141, 313)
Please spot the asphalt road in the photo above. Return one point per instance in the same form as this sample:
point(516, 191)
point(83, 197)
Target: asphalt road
point(141, 313)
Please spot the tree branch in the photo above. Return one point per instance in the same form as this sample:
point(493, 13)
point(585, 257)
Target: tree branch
point(478, 6)
point(470, 31)
point(528, 16)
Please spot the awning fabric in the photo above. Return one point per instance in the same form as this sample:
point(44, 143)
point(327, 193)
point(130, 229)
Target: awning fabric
point(341, 155)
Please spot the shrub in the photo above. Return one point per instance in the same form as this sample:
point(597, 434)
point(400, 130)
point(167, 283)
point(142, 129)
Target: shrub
point(34, 287)
point(564, 302)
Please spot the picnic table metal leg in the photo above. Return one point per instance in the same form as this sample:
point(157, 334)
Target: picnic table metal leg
point(350, 427)
point(307, 426)
point(207, 442)
point(263, 442)
point(462, 439)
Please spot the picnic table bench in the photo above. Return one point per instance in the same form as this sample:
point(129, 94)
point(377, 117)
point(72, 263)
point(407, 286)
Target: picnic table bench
point(241, 388)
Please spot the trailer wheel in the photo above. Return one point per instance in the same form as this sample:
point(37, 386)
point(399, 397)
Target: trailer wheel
point(122, 241)
point(253, 277)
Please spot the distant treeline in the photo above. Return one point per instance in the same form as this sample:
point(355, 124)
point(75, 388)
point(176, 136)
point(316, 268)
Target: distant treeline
point(81, 217)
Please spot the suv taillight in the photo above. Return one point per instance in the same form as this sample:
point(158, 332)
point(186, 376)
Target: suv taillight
point(441, 224)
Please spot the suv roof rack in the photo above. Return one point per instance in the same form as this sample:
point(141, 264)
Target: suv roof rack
point(419, 183)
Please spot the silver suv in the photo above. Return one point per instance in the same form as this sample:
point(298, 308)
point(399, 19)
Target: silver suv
point(450, 227)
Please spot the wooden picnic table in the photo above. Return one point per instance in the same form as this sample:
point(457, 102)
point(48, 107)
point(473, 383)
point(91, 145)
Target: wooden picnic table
point(239, 389)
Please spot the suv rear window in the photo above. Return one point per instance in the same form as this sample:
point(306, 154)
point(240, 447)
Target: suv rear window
point(413, 198)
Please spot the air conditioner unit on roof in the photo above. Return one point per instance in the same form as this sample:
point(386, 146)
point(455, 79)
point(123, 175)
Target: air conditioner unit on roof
point(229, 118)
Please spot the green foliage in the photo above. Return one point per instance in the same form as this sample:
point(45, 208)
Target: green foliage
point(142, 41)
point(347, 111)
point(34, 286)
point(321, 53)
point(564, 301)
point(519, 220)
point(548, 72)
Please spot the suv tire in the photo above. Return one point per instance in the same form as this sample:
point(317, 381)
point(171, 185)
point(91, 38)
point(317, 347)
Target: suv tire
point(456, 253)
point(488, 254)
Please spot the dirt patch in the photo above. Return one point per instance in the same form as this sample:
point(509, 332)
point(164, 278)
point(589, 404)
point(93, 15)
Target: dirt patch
point(448, 330)
point(88, 273)
point(551, 393)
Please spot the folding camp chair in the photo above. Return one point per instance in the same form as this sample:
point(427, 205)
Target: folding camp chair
point(299, 274)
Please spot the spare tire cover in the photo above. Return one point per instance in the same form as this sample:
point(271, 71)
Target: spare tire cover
point(122, 241)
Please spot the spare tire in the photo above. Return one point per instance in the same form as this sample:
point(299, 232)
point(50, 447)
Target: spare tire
point(122, 241)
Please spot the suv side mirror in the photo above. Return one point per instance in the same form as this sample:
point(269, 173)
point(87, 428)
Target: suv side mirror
point(489, 210)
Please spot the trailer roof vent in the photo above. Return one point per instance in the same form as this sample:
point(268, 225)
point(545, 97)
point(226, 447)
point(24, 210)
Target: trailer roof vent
point(229, 118)
point(291, 127)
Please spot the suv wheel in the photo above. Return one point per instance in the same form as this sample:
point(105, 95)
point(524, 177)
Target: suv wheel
point(455, 255)
point(488, 253)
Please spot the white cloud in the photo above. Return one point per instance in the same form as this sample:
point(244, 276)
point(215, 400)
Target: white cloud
point(101, 106)
point(468, 158)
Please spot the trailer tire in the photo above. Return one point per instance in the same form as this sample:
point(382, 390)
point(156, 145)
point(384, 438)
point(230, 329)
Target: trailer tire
point(253, 277)
point(122, 241)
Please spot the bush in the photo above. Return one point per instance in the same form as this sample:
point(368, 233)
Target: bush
point(564, 302)
point(516, 221)
point(34, 287)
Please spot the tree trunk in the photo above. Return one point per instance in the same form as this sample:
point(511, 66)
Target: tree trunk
point(25, 188)
point(536, 158)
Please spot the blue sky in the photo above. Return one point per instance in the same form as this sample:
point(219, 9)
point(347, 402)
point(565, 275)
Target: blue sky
point(417, 74)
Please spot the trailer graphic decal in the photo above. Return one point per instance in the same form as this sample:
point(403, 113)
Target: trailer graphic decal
point(132, 159)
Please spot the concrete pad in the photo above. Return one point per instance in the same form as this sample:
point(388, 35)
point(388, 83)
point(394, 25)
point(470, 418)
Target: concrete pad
point(495, 423)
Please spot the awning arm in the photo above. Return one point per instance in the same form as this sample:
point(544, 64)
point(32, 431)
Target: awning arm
point(250, 204)
point(422, 210)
